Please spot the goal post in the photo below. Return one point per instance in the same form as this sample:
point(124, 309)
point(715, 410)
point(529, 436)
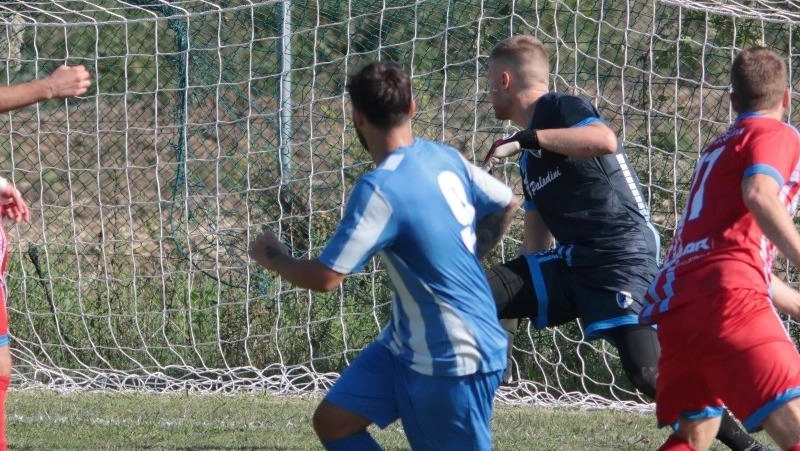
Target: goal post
point(210, 121)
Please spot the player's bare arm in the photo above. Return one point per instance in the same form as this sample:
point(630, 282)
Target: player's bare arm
point(760, 194)
point(785, 298)
point(536, 236)
point(581, 142)
point(490, 229)
point(65, 81)
point(268, 251)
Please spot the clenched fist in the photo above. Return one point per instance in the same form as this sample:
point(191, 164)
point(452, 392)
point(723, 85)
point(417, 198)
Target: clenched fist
point(265, 248)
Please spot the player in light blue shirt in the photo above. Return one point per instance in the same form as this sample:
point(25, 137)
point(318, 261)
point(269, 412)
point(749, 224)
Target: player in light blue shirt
point(430, 215)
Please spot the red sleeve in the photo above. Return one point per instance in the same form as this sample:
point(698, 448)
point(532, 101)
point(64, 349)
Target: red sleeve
point(772, 152)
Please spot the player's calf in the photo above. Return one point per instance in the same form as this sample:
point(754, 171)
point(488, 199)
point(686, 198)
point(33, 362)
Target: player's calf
point(692, 435)
point(783, 425)
point(676, 443)
point(5, 381)
point(510, 326)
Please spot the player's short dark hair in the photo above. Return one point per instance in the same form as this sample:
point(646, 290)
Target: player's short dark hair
point(758, 78)
point(382, 92)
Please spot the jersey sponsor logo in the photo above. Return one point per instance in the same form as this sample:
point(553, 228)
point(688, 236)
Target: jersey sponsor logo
point(542, 181)
point(624, 299)
point(694, 246)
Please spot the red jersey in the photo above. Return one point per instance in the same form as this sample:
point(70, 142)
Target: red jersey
point(718, 245)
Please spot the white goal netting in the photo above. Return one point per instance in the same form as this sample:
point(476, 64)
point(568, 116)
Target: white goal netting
point(208, 121)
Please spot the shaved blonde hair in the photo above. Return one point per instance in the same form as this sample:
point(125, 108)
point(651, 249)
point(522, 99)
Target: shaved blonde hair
point(524, 55)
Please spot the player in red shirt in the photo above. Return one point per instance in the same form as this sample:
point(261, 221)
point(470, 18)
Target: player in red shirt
point(722, 343)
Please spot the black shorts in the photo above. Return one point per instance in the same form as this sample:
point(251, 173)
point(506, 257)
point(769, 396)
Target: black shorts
point(543, 288)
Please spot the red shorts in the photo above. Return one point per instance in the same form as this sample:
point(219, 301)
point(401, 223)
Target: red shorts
point(730, 350)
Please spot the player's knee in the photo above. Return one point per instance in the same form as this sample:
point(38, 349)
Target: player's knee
point(332, 423)
point(510, 326)
point(643, 379)
point(699, 434)
point(322, 423)
point(497, 288)
point(504, 284)
point(5, 361)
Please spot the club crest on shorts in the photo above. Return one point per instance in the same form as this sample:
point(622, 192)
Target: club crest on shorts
point(536, 153)
point(624, 299)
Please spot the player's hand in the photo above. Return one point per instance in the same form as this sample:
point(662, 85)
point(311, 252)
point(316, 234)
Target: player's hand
point(266, 248)
point(502, 148)
point(68, 81)
point(510, 146)
point(12, 205)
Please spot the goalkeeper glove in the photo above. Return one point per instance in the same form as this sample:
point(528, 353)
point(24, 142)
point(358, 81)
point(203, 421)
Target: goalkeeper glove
point(508, 147)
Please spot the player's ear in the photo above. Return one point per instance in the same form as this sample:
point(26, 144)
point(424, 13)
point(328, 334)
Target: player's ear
point(412, 108)
point(787, 98)
point(505, 79)
point(358, 117)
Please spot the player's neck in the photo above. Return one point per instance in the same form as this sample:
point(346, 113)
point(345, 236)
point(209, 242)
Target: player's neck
point(775, 113)
point(527, 101)
point(381, 145)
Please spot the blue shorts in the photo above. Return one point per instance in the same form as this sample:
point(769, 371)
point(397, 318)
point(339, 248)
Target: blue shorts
point(437, 412)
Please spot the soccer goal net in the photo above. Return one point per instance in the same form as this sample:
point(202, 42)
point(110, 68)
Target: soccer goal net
point(210, 121)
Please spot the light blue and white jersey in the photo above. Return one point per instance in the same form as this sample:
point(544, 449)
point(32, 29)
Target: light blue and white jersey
point(418, 209)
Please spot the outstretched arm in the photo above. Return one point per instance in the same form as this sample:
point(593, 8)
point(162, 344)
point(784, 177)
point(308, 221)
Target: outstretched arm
point(582, 142)
point(592, 140)
point(273, 255)
point(490, 229)
point(66, 81)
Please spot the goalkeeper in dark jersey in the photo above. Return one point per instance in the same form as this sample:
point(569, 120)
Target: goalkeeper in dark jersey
point(581, 193)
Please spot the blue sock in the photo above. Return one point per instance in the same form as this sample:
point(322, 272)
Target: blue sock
point(360, 441)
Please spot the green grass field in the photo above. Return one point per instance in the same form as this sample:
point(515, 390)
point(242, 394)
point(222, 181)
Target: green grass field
point(39, 420)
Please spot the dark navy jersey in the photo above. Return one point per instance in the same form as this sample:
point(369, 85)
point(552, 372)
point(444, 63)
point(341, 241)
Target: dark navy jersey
point(593, 206)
